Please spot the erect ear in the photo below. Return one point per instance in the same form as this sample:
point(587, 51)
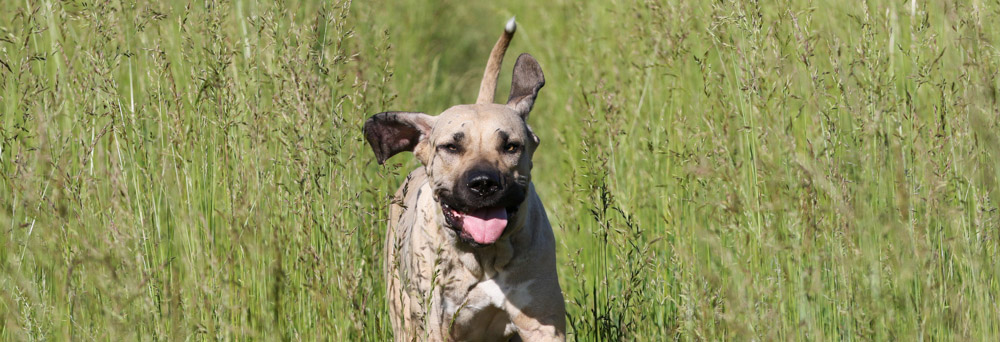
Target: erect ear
point(524, 85)
point(389, 133)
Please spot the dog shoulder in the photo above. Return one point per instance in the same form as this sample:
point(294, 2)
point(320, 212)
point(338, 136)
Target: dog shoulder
point(407, 193)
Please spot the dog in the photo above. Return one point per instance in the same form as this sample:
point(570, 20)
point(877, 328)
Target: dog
point(470, 253)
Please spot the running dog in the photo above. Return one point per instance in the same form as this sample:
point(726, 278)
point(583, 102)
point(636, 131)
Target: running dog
point(470, 253)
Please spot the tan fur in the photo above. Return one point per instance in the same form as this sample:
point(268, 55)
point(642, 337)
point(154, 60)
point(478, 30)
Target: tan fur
point(439, 286)
point(488, 86)
point(432, 279)
point(478, 122)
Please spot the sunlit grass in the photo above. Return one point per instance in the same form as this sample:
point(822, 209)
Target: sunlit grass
point(742, 170)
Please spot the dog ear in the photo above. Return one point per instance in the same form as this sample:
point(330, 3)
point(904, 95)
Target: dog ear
point(524, 85)
point(389, 133)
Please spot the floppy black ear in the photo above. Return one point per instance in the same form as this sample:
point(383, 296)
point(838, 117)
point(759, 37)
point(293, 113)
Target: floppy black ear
point(524, 85)
point(389, 133)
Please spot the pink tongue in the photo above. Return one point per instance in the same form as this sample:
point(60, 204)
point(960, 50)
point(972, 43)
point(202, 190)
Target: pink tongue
point(485, 225)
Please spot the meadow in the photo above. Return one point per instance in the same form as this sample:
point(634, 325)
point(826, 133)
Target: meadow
point(714, 170)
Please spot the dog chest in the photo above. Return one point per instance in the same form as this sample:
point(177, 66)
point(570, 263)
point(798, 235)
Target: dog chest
point(479, 314)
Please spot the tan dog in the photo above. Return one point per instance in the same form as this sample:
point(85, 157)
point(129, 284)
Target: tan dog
point(470, 252)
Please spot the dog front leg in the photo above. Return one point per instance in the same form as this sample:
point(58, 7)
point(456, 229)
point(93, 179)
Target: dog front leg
point(539, 329)
point(539, 313)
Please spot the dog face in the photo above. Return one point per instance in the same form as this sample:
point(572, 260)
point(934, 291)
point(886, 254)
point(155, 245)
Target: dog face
point(477, 157)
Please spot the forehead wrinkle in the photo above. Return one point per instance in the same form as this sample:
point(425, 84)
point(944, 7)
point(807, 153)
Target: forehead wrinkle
point(479, 145)
point(453, 124)
point(504, 136)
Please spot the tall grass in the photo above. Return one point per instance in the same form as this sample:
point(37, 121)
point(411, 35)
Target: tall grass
point(741, 170)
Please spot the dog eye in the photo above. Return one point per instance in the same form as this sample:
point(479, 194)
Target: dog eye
point(512, 148)
point(449, 147)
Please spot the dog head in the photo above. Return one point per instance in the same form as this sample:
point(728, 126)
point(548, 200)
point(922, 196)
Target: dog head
point(477, 156)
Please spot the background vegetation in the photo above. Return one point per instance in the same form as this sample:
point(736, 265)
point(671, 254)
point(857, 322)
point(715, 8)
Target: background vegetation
point(714, 170)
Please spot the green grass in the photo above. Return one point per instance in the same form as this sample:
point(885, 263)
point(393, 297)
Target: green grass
point(714, 170)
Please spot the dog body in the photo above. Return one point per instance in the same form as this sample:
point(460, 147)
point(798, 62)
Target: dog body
point(443, 289)
point(470, 252)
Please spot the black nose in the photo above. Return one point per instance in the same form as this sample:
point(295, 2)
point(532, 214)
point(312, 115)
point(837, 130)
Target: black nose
point(483, 184)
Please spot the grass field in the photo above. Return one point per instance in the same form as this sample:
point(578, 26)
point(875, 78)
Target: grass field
point(714, 170)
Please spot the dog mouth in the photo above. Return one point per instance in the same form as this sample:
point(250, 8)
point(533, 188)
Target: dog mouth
point(479, 227)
